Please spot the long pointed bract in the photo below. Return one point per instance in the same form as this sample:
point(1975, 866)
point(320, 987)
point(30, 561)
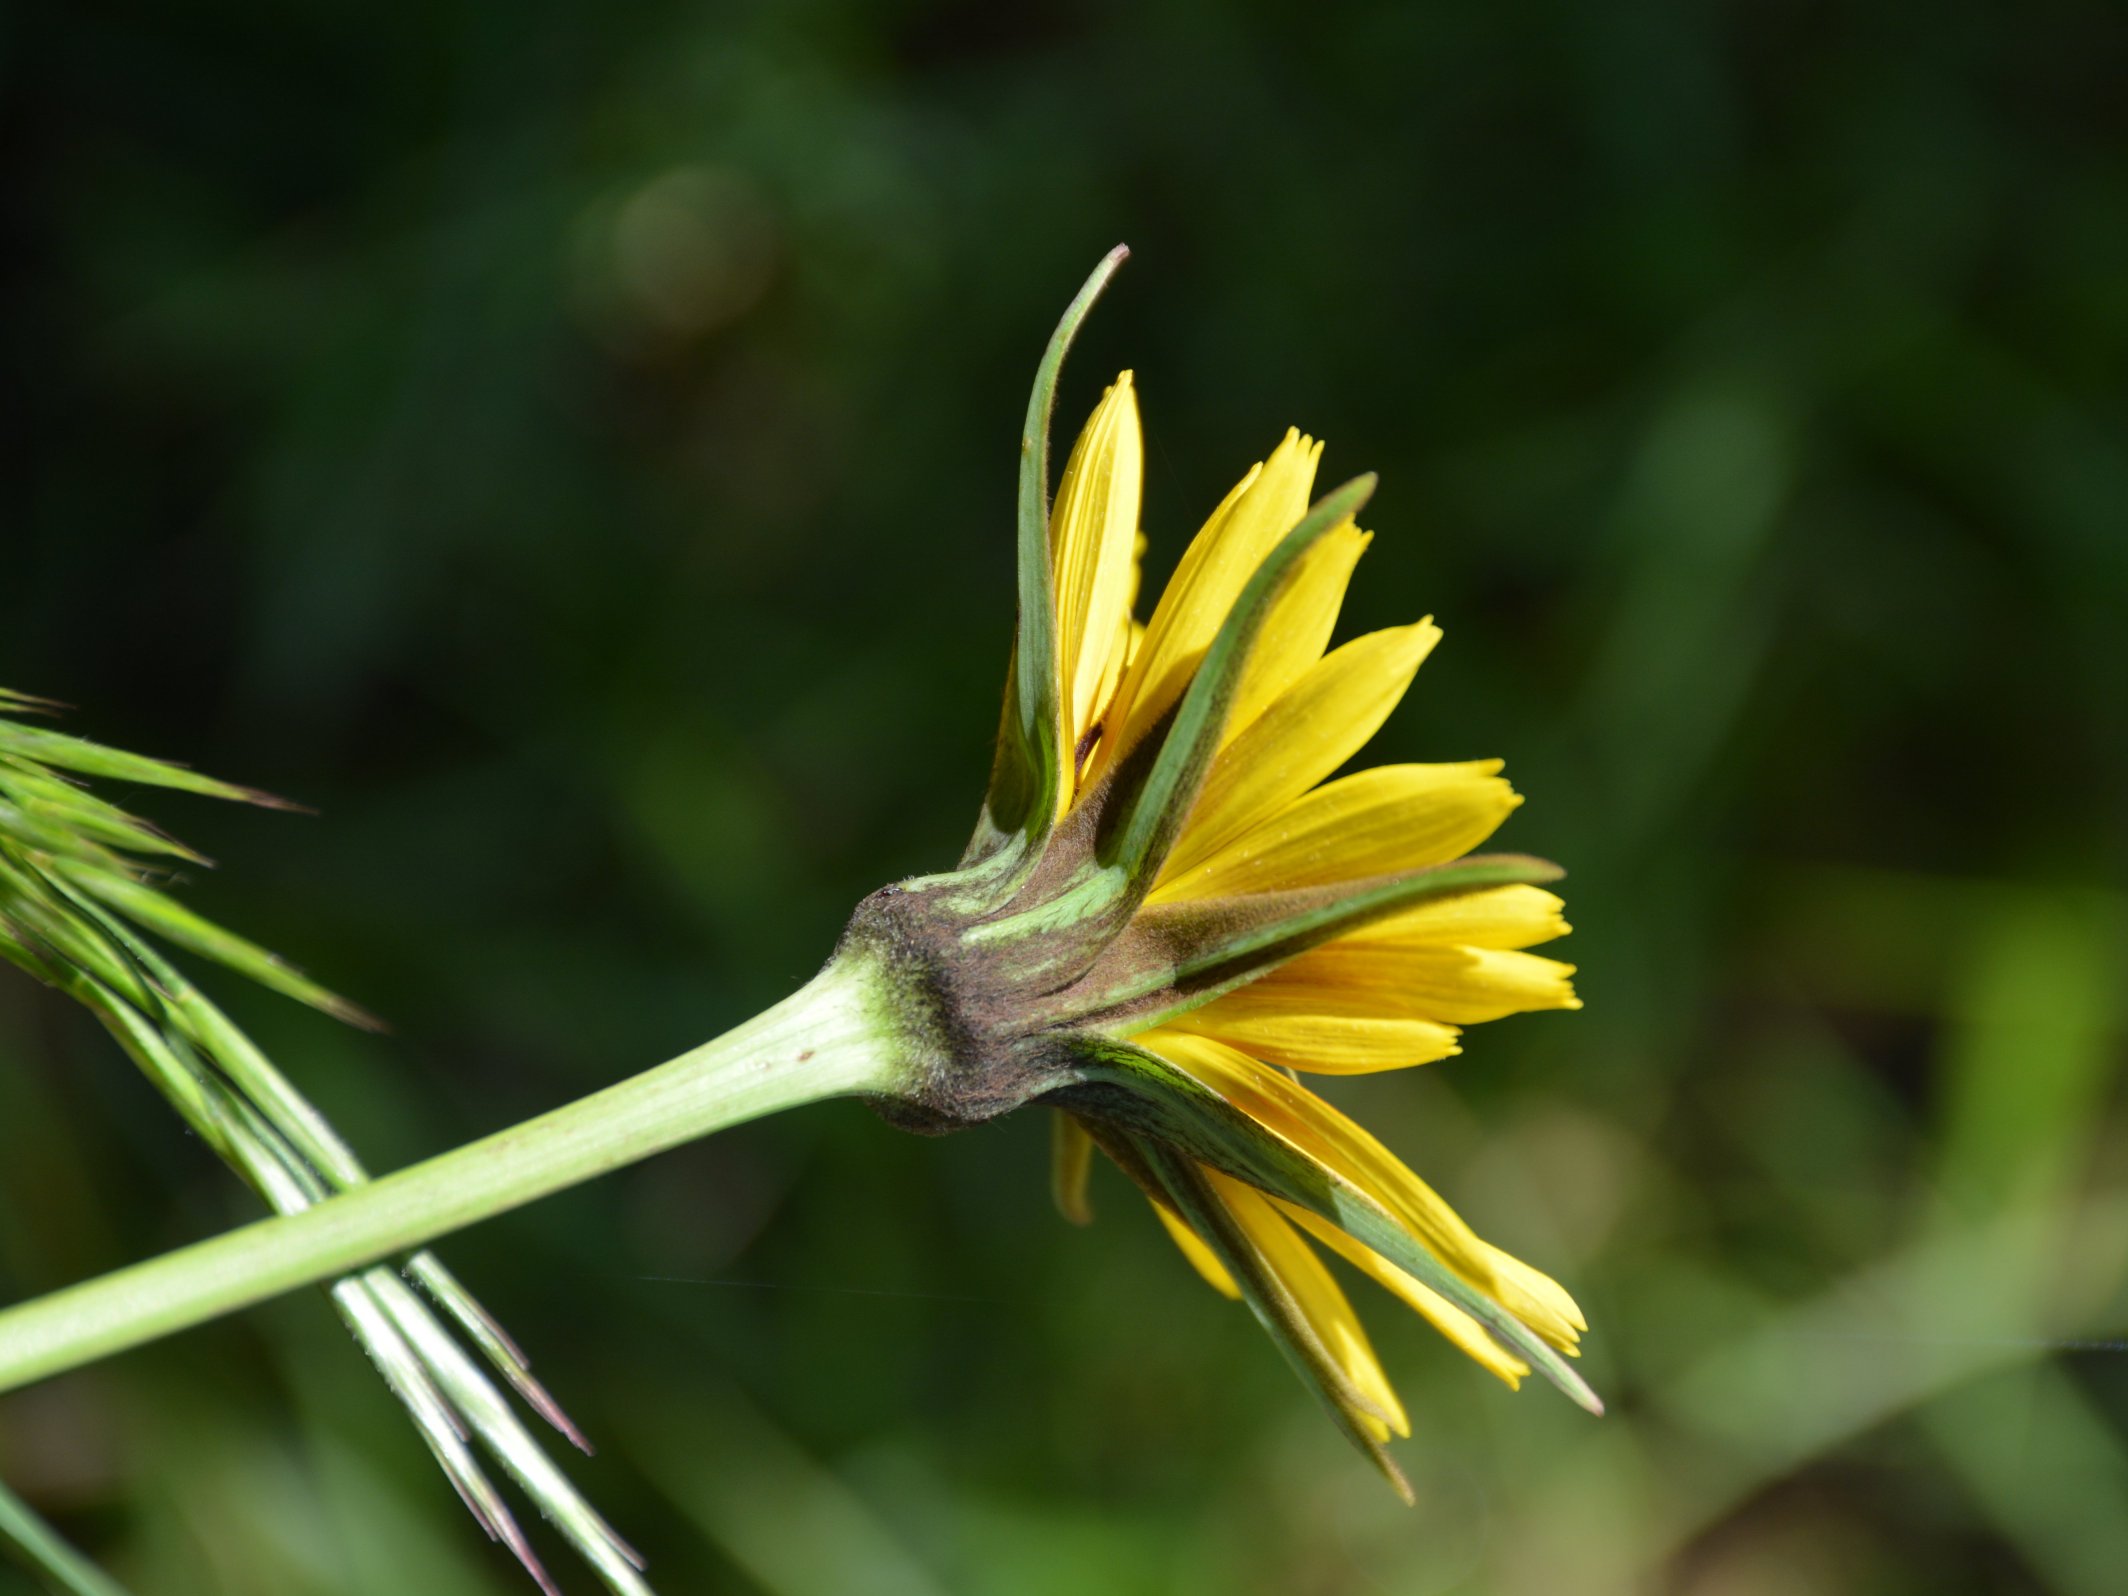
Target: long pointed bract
point(1140, 842)
point(1188, 953)
point(1148, 1097)
point(1030, 766)
point(1270, 1300)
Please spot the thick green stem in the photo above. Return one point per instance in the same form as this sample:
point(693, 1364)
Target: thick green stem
point(829, 1039)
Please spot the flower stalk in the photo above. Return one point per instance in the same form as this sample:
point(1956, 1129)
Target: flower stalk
point(831, 1038)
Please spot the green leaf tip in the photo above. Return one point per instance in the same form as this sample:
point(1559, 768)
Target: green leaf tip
point(61, 751)
point(1024, 786)
point(43, 1549)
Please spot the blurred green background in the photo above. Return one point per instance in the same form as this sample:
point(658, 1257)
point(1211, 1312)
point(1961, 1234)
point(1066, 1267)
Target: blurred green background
point(573, 447)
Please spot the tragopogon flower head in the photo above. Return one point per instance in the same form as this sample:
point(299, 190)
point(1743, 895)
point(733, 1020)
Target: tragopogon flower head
point(1168, 907)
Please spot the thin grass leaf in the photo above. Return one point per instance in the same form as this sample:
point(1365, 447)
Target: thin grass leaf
point(408, 1358)
point(496, 1344)
point(336, 1165)
point(159, 912)
point(76, 914)
point(63, 752)
point(292, 1115)
point(73, 810)
point(44, 1550)
point(363, 1304)
point(616, 1562)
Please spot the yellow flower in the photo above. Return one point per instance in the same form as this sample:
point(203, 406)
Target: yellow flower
point(1395, 992)
point(1172, 904)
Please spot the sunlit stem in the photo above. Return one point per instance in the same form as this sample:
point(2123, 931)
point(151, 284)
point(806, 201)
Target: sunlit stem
point(829, 1039)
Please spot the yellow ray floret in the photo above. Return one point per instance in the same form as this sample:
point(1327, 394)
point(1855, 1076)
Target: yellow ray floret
point(1301, 737)
point(1498, 917)
point(1318, 1131)
point(1321, 1303)
point(1093, 532)
point(1217, 565)
point(1390, 818)
point(1312, 1127)
point(1202, 1258)
point(1543, 1300)
point(1121, 649)
point(1469, 1336)
point(1298, 625)
point(1337, 1034)
point(1360, 977)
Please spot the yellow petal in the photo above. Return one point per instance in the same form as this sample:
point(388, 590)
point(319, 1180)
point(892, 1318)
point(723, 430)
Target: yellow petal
point(1093, 531)
point(1321, 1303)
point(1468, 1335)
point(1305, 1122)
point(1309, 730)
point(1405, 980)
point(1547, 1295)
point(1394, 817)
point(1263, 507)
point(1202, 1258)
point(1122, 650)
point(1298, 625)
point(1498, 917)
point(1071, 1154)
point(1305, 1035)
